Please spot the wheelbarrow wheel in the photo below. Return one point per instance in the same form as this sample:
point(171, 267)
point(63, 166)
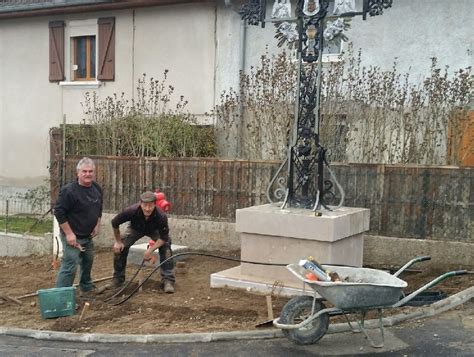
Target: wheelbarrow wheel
point(297, 310)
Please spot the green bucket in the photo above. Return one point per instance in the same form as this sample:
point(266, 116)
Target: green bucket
point(57, 302)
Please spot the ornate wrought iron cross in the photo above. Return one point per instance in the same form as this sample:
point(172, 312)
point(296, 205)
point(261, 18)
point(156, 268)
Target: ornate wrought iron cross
point(306, 161)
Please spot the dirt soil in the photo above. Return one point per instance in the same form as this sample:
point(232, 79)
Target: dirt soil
point(195, 307)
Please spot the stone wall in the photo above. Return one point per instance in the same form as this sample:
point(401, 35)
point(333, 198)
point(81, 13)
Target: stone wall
point(21, 246)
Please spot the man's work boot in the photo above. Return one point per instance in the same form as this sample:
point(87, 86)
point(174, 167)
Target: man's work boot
point(115, 283)
point(168, 287)
point(89, 295)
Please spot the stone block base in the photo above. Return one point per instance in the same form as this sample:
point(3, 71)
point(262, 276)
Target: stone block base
point(271, 235)
point(284, 250)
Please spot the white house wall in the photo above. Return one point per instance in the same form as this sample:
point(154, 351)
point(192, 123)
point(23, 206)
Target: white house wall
point(148, 40)
point(413, 31)
point(180, 39)
point(30, 104)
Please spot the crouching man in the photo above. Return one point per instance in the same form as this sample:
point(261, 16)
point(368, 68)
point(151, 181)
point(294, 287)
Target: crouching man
point(145, 220)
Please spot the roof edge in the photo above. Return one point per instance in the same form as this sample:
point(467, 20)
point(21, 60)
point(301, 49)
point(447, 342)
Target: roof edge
point(17, 6)
point(90, 7)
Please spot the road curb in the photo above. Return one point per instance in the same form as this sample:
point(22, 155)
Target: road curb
point(432, 310)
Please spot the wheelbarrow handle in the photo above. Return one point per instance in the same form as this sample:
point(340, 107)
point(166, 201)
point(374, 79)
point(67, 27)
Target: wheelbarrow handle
point(429, 285)
point(411, 262)
point(423, 258)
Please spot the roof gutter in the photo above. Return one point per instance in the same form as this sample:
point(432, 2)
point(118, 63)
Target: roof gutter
point(103, 6)
point(21, 6)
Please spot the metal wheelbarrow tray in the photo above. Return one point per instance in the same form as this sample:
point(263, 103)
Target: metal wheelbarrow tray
point(359, 288)
point(305, 319)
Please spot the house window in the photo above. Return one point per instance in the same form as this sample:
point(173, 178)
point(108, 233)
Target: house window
point(83, 49)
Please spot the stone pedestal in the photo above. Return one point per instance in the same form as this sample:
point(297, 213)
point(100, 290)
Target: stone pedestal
point(272, 235)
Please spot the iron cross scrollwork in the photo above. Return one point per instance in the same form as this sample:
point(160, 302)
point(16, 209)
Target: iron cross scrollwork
point(376, 7)
point(307, 32)
point(254, 12)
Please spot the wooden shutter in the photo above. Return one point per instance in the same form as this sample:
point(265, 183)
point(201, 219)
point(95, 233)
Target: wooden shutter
point(56, 51)
point(106, 69)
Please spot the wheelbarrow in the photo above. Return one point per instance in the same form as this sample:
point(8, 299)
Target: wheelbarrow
point(305, 319)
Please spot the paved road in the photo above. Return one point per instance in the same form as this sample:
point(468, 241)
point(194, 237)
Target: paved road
point(448, 334)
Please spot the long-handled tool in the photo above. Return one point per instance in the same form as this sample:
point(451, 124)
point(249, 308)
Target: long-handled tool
point(276, 287)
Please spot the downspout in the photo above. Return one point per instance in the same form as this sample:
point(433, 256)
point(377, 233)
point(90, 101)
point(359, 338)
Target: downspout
point(242, 55)
point(133, 53)
point(216, 63)
point(243, 40)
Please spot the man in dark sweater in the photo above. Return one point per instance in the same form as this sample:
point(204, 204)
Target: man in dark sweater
point(145, 220)
point(78, 211)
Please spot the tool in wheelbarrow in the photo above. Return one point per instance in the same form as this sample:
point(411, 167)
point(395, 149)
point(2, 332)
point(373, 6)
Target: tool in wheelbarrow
point(305, 319)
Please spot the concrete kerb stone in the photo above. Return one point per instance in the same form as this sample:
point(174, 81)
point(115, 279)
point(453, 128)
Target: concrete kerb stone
point(127, 338)
point(432, 310)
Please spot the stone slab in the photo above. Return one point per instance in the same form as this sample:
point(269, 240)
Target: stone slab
point(299, 223)
point(233, 278)
point(135, 255)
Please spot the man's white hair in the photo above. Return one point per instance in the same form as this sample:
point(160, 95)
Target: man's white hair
point(85, 161)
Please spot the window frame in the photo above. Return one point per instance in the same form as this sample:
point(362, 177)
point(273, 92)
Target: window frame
point(74, 59)
point(79, 28)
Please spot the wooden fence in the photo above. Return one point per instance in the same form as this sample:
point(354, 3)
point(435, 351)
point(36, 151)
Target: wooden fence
point(207, 188)
point(405, 201)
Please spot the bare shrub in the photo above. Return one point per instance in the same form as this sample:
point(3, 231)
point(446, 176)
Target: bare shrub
point(257, 119)
point(146, 125)
point(368, 115)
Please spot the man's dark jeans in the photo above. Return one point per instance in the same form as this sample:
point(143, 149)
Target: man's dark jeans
point(129, 238)
point(72, 257)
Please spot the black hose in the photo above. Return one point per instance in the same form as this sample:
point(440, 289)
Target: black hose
point(126, 285)
point(166, 260)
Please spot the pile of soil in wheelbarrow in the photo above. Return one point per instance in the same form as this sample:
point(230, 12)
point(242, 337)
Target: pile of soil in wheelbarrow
point(195, 307)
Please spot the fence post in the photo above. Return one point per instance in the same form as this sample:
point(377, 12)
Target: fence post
point(6, 217)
